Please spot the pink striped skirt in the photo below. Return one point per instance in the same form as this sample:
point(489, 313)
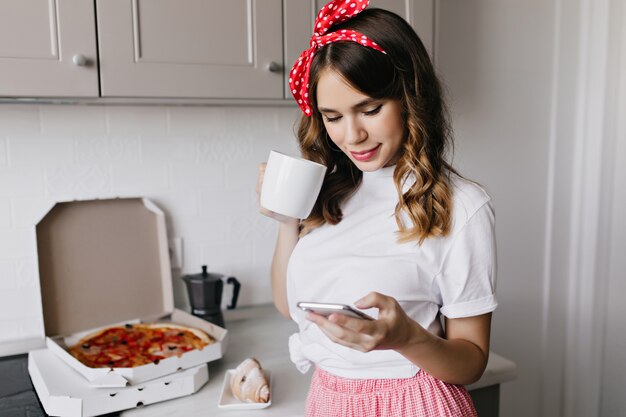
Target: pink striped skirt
point(419, 396)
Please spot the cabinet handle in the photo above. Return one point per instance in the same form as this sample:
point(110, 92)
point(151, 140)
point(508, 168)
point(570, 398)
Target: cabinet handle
point(80, 60)
point(274, 67)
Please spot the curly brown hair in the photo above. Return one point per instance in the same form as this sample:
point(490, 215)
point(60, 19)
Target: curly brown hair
point(404, 73)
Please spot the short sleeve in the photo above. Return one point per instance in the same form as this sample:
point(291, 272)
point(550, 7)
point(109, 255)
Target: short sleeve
point(467, 280)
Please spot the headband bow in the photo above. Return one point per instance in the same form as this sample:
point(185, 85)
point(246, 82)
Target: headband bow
point(335, 12)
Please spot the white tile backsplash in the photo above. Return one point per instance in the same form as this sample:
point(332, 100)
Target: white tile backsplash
point(69, 182)
point(27, 275)
point(21, 181)
point(9, 330)
point(224, 202)
point(133, 179)
point(8, 272)
point(105, 148)
point(168, 149)
point(197, 231)
point(3, 153)
point(6, 215)
point(38, 151)
point(183, 201)
point(199, 176)
point(148, 120)
point(76, 121)
point(223, 256)
point(31, 326)
point(17, 243)
point(19, 120)
point(199, 164)
point(23, 302)
point(28, 210)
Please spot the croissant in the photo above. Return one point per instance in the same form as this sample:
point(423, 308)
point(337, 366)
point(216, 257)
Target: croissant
point(248, 382)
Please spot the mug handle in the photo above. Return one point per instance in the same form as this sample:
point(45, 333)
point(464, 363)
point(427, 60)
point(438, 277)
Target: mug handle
point(236, 287)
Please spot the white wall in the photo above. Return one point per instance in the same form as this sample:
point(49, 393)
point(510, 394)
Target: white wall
point(498, 72)
point(612, 401)
point(533, 93)
point(197, 163)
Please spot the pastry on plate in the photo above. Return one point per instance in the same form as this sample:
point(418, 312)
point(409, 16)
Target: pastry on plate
point(248, 382)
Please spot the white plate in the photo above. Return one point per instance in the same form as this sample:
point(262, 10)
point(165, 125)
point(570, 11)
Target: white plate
point(227, 400)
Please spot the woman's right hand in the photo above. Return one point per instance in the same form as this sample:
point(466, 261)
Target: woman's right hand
point(278, 217)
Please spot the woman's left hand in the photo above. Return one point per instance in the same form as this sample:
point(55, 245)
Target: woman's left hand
point(392, 330)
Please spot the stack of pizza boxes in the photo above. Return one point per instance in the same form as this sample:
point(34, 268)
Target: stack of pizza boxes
point(105, 263)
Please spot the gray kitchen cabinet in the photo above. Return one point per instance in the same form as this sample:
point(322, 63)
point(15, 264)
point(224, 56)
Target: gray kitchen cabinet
point(191, 48)
point(163, 49)
point(48, 48)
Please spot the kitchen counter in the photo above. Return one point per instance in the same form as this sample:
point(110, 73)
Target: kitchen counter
point(254, 331)
point(265, 338)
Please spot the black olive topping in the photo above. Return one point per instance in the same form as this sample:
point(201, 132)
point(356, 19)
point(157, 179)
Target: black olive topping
point(171, 347)
point(111, 363)
point(156, 361)
point(128, 326)
point(85, 345)
point(124, 342)
point(181, 334)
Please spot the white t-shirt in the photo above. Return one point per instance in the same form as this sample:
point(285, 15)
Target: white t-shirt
point(454, 275)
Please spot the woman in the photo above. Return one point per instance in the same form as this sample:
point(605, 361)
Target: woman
point(394, 230)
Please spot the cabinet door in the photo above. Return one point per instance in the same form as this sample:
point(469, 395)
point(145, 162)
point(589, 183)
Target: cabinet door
point(419, 13)
point(191, 48)
point(38, 43)
point(300, 15)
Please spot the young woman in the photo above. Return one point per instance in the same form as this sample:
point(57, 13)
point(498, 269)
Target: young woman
point(395, 230)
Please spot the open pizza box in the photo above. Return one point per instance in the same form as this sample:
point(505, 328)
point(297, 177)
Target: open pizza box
point(63, 392)
point(103, 263)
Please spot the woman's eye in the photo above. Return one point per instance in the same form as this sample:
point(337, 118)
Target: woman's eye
point(330, 119)
point(373, 111)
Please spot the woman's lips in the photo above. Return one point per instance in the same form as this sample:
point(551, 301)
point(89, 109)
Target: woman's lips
point(365, 156)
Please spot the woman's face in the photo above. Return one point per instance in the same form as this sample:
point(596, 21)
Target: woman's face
point(369, 131)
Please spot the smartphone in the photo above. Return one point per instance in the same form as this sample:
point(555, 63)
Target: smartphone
point(326, 309)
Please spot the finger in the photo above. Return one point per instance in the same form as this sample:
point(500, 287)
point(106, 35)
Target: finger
point(375, 300)
point(262, 171)
point(259, 183)
point(323, 323)
point(331, 328)
point(340, 334)
point(266, 212)
point(357, 325)
point(315, 318)
point(261, 167)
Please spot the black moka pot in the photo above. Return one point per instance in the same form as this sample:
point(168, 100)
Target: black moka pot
point(205, 295)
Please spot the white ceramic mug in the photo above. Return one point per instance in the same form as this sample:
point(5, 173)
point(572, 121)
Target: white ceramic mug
point(291, 185)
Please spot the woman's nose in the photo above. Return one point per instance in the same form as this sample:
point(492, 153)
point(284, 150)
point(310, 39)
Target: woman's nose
point(355, 132)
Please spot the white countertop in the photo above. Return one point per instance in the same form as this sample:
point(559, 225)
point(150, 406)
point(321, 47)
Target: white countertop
point(262, 333)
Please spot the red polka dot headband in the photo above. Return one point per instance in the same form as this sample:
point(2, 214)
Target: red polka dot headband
point(336, 11)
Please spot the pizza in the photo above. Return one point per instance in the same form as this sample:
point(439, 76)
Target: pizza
point(133, 345)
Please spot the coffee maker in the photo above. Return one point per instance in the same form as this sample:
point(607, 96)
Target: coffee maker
point(205, 295)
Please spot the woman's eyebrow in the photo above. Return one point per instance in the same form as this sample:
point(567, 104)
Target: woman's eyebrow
point(358, 105)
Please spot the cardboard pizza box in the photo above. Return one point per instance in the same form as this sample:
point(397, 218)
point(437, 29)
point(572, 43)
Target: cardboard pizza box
point(103, 263)
point(63, 392)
